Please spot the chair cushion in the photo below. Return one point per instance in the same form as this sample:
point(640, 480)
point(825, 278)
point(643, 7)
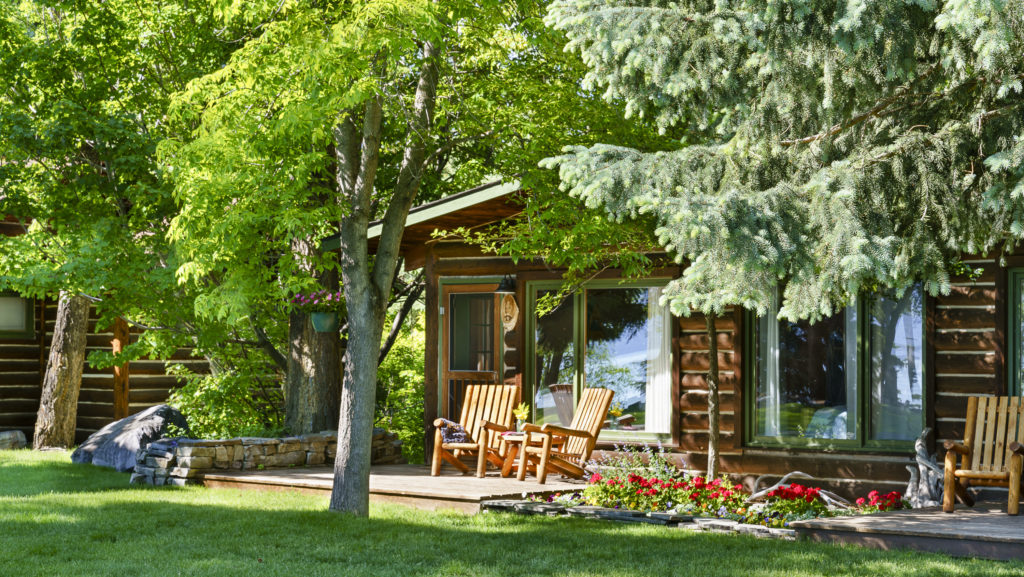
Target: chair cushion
point(452, 432)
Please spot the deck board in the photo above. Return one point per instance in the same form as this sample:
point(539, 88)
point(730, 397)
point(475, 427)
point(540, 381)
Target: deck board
point(407, 484)
point(982, 531)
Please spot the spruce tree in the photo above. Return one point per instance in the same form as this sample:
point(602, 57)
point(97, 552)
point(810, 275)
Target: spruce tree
point(831, 147)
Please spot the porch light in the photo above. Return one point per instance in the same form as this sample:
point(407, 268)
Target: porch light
point(507, 285)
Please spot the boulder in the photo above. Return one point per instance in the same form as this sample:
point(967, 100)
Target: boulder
point(12, 440)
point(116, 444)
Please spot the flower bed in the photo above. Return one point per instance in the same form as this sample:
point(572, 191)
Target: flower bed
point(645, 481)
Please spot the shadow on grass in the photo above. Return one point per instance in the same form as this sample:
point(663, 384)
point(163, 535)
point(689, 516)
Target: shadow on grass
point(24, 473)
point(224, 532)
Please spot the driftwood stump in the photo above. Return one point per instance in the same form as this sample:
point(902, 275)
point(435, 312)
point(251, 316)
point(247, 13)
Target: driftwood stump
point(925, 487)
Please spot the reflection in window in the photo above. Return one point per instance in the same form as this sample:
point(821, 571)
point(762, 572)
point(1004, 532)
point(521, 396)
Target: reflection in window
point(622, 337)
point(627, 338)
point(807, 385)
point(555, 364)
point(897, 359)
point(471, 332)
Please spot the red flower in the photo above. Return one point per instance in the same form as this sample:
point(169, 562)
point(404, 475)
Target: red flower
point(596, 477)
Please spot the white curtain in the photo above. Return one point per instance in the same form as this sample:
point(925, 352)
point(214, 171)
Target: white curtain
point(769, 337)
point(658, 400)
point(850, 421)
point(12, 313)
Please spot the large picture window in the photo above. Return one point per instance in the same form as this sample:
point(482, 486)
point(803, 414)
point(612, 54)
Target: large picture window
point(853, 378)
point(16, 319)
point(1016, 331)
point(615, 337)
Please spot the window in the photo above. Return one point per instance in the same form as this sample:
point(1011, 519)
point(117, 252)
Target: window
point(472, 332)
point(16, 318)
point(1016, 332)
point(855, 378)
point(610, 336)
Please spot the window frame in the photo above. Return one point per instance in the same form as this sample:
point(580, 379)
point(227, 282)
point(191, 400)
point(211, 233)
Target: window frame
point(29, 331)
point(862, 442)
point(1014, 338)
point(579, 354)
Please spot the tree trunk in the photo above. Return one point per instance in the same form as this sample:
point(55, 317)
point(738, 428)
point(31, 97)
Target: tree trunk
point(313, 387)
point(368, 282)
point(351, 492)
point(713, 400)
point(58, 407)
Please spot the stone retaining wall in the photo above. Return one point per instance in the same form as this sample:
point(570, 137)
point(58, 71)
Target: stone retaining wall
point(182, 461)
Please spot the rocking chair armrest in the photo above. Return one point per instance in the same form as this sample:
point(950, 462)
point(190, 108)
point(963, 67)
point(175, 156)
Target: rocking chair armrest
point(1017, 448)
point(531, 428)
point(565, 431)
point(485, 424)
point(438, 422)
point(958, 448)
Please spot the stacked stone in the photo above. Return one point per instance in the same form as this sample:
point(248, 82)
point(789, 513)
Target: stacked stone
point(182, 461)
point(386, 448)
point(154, 462)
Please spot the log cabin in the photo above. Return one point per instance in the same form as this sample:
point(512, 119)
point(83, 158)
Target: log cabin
point(26, 330)
point(843, 399)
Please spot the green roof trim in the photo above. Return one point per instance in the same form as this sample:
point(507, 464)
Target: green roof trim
point(436, 208)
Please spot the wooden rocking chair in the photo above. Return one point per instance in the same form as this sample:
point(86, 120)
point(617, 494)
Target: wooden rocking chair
point(992, 453)
point(485, 408)
point(565, 450)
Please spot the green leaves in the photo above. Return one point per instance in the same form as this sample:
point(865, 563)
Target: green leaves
point(844, 146)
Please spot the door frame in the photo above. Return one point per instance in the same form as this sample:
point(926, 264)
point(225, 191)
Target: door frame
point(474, 285)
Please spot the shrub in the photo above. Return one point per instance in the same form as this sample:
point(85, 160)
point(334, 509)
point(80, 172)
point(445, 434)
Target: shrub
point(228, 404)
point(645, 480)
point(400, 387)
point(784, 505)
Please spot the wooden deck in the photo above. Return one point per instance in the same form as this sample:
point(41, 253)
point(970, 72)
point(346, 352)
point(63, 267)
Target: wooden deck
point(406, 484)
point(982, 531)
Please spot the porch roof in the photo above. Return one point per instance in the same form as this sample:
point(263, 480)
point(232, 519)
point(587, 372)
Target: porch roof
point(471, 208)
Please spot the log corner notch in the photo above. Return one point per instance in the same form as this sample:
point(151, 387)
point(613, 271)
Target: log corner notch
point(121, 339)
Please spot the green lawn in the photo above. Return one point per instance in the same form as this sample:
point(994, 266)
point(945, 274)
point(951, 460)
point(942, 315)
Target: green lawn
point(62, 519)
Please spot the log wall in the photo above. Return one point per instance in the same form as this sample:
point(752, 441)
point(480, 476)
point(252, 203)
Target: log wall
point(140, 385)
point(965, 354)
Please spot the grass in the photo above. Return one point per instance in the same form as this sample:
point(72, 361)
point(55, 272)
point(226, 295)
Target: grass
point(57, 518)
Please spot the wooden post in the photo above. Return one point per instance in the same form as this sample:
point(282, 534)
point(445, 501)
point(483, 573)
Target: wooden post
point(121, 385)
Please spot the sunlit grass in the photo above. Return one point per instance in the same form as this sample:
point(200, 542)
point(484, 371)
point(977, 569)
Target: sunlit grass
point(62, 519)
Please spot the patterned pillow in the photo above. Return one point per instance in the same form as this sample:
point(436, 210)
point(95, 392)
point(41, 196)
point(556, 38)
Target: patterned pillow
point(452, 432)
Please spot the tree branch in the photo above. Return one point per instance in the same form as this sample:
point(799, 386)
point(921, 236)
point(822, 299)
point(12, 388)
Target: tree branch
point(410, 173)
point(873, 112)
point(268, 347)
point(403, 313)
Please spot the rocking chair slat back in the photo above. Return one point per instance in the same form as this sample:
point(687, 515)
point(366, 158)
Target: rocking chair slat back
point(993, 423)
point(492, 403)
point(589, 417)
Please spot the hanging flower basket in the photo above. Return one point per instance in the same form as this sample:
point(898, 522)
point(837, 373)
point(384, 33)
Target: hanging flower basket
point(325, 322)
point(325, 309)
